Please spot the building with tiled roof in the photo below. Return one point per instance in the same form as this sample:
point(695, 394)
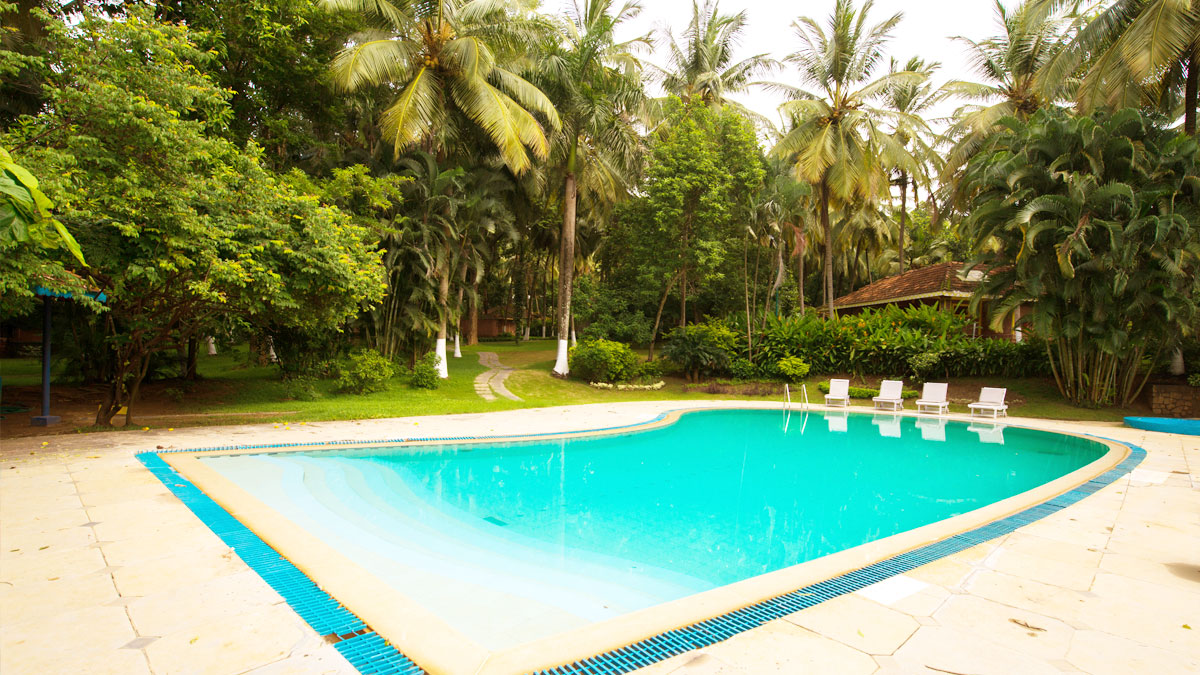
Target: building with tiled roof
point(946, 285)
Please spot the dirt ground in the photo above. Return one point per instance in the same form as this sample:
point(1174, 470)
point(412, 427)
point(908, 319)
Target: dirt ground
point(77, 406)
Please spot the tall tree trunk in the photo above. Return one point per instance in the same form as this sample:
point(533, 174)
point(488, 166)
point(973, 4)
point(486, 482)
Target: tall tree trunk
point(566, 268)
point(658, 316)
point(684, 278)
point(903, 214)
point(828, 232)
point(473, 323)
point(746, 290)
point(443, 318)
point(779, 274)
point(193, 355)
point(1189, 94)
point(801, 246)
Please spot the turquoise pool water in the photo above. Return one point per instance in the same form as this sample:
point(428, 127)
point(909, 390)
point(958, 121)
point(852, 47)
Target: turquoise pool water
point(509, 542)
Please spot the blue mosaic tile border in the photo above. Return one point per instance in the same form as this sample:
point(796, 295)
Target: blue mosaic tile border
point(371, 654)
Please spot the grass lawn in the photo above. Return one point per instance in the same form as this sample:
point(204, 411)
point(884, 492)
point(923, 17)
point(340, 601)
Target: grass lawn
point(232, 392)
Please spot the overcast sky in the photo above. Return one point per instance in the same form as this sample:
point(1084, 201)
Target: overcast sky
point(924, 31)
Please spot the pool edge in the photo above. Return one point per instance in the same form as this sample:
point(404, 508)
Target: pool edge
point(734, 608)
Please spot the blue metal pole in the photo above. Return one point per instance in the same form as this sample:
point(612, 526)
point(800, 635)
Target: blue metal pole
point(45, 419)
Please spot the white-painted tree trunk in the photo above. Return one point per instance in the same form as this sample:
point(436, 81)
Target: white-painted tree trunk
point(573, 340)
point(560, 363)
point(212, 346)
point(457, 348)
point(443, 371)
point(271, 350)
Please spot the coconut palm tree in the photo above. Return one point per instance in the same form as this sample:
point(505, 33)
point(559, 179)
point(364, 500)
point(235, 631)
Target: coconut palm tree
point(703, 68)
point(837, 139)
point(1010, 64)
point(1135, 53)
point(450, 60)
point(596, 84)
point(913, 98)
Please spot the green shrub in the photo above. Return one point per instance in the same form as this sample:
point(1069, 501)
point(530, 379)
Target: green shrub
point(301, 388)
point(651, 370)
point(702, 348)
point(424, 374)
point(603, 361)
point(922, 365)
point(886, 341)
point(1194, 379)
point(867, 392)
point(744, 369)
point(792, 368)
point(366, 371)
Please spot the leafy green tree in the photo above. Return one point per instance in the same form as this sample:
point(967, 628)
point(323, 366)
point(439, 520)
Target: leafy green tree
point(274, 56)
point(836, 137)
point(449, 58)
point(29, 238)
point(704, 166)
point(182, 228)
point(1096, 224)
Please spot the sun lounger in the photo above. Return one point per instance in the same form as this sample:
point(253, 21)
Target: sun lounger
point(990, 403)
point(891, 395)
point(839, 390)
point(933, 395)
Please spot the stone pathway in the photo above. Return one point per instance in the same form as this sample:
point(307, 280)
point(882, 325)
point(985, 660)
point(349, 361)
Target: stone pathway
point(491, 382)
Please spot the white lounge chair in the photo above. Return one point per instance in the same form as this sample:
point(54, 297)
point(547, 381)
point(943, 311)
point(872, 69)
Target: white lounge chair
point(933, 395)
point(932, 428)
point(839, 390)
point(889, 425)
point(991, 400)
point(891, 395)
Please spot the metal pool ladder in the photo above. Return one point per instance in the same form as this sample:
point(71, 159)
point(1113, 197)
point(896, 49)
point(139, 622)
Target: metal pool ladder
point(787, 393)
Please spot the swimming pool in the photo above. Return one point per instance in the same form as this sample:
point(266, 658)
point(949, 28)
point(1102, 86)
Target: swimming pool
point(487, 549)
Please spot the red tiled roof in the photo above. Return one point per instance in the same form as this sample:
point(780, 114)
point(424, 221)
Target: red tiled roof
point(940, 280)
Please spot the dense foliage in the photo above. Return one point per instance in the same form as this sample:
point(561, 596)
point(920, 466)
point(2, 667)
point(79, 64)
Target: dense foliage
point(1095, 223)
point(318, 177)
point(183, 231)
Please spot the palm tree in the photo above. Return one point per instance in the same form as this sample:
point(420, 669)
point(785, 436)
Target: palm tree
point(449, 60)
point(1136, 52)
point(596, 83)
point(836, 138)
point(703, 68)
point(912, 98)
point(1012, 65)
point(435, 196)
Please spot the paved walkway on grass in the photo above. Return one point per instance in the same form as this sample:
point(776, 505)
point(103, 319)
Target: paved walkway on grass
point(491, 382)
point(102, 570)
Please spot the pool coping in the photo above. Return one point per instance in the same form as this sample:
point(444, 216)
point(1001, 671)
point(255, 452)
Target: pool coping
point(677, 626)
